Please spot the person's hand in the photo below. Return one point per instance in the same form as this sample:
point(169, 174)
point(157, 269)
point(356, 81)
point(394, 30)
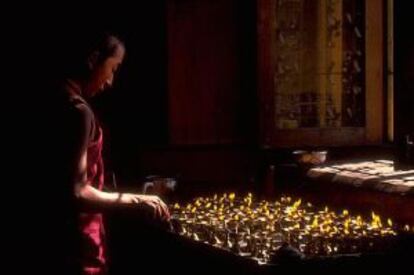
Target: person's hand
point(159, 208)
point(157, 205)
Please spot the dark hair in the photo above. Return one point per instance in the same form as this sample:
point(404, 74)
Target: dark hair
point(82, 46)
point(105, 45)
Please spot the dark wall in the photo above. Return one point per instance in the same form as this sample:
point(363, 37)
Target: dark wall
point(189, 79)
point(211, 71)
point(404, 83)
point(404, 69)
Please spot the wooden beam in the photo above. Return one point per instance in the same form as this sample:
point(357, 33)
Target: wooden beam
point(374, 71)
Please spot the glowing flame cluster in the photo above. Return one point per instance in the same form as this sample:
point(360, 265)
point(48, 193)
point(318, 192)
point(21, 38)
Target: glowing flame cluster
point(259, 228)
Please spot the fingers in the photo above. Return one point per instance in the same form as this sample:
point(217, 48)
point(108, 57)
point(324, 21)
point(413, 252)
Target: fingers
point(161, 208)
point(166, 212)
point(155, 208)
point(164, 209)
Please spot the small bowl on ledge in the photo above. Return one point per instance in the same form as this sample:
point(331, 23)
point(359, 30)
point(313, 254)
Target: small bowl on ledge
point(309, 158)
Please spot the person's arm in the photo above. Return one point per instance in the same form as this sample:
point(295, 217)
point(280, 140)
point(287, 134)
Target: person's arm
point(93, 198)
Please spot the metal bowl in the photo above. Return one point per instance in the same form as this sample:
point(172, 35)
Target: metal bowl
point(310, 157)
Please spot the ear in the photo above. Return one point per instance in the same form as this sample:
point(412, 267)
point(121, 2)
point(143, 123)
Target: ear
point(93, 60)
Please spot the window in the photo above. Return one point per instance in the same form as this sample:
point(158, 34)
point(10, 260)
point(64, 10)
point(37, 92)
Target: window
point(320, 72)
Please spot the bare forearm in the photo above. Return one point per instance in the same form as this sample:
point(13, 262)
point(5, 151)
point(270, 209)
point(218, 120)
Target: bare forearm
point(93, 199)
point(90, 194)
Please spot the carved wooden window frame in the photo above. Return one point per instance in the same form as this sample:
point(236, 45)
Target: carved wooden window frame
point(371, 133)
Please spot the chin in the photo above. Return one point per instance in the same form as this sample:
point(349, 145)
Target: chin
point(96, 92)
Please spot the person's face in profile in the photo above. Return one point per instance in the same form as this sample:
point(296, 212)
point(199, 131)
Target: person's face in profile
point(102, 73)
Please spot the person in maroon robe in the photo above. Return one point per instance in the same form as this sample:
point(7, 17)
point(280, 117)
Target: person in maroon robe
point(92, 73)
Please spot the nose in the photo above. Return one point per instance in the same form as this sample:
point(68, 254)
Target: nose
point(109, 81)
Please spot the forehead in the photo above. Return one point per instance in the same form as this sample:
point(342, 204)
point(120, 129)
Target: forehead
point(119, 52)
point(116, 58)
